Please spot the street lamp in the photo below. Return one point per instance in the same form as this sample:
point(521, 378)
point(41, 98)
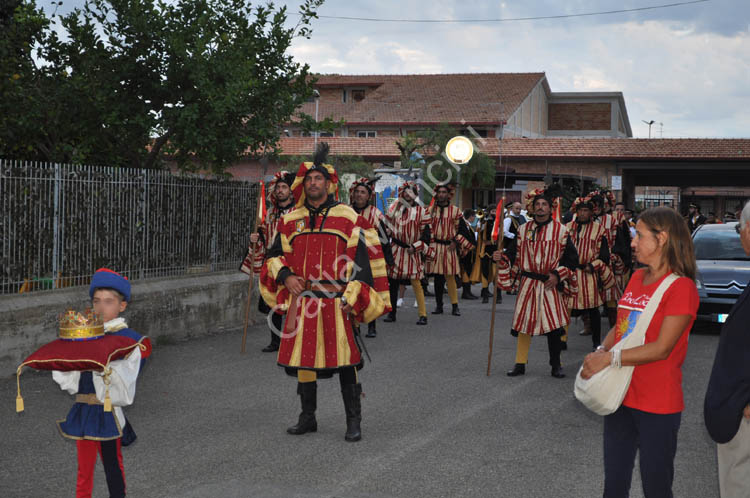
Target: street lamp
point(316, 96)
point(649, 123)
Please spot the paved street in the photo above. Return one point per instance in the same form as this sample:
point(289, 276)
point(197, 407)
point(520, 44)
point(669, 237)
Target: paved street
point(211, 422)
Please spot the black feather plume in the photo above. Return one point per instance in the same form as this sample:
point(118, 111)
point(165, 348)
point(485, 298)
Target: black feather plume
point(554, 191)
point(321, 154)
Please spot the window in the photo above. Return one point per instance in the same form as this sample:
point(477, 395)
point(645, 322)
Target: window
point(358, 95)
point(344, 96)
point(367, 134)
point(470, 134)
point(325, 134)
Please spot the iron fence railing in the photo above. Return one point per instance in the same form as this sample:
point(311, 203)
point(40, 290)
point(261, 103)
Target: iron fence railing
point(60, 222)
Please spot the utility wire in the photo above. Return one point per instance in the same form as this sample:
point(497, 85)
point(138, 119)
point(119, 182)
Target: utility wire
point(509, 19)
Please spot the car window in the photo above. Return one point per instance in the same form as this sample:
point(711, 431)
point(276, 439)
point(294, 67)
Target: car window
point(718, 244)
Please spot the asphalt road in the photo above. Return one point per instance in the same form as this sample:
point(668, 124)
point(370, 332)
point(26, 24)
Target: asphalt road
point(211, 422)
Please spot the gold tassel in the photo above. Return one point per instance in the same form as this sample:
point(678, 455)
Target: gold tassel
point(19, 399)
point(107, 399)
point(107, 402)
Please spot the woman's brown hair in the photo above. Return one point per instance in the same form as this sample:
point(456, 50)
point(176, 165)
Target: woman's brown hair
point(677, 253)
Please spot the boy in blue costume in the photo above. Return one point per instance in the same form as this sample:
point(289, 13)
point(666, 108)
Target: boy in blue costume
point(96, 430)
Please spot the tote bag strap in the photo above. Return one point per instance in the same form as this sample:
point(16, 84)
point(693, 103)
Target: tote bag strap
point(638, 336)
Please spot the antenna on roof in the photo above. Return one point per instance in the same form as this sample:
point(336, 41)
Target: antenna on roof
point(649, 123)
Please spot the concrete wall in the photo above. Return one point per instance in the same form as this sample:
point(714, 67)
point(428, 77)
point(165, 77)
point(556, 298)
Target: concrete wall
point(166, 310)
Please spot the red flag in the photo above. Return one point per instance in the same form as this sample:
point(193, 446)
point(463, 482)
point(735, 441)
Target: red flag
point(262, 203)
point(557, 212)
point(499, 218)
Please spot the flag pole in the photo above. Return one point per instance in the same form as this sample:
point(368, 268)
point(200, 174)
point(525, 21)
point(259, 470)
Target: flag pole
point(499, 248)
point(259, 218)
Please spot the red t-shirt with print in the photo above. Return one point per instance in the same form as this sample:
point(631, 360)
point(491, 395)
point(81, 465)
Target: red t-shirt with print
point(656, 387)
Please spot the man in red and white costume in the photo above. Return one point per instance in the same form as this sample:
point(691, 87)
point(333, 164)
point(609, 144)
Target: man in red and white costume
point(282, 202)
point(360, 198)
point(409, 224)
point(619, 246)
point(451, 237)
point(545, 264)
point(593, 272)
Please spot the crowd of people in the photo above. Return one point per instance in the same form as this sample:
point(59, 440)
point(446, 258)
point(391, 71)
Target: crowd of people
point(330, 267)
point(326, 268)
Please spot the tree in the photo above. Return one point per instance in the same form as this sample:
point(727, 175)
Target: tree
point(134, 82)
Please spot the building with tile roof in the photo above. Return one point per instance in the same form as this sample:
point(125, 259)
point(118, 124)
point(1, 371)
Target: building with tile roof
point(532, 133)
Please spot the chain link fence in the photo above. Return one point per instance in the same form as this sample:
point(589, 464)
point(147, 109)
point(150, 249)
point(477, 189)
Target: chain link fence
point(61, 222)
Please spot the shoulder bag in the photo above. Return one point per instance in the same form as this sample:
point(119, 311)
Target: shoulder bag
point(604, 391)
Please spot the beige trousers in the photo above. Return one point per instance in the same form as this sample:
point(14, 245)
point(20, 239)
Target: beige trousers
point(734, 464)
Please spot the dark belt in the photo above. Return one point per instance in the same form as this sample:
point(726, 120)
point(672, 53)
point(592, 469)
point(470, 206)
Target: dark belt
point(535, 276)
point(325, 288)
point(400, 243)
point(444, 242)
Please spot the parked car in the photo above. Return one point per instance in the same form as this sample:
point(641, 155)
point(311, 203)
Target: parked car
point(723, 269)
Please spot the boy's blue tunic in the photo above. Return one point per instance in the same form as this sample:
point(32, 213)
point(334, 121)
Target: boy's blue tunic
point(86, 421)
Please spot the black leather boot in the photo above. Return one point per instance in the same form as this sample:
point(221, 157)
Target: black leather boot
point(128, 434)
point(422, 320)
point(485, 295)
point(455, 311)
point(518, 369)
point(391, 317)
point(371, 332)
point(308, 392)
point(466, 294)
point(353, 407)
point(438, 309)
point(557, 372)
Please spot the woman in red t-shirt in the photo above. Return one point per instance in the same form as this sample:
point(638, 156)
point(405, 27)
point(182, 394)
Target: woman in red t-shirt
point(649, 417)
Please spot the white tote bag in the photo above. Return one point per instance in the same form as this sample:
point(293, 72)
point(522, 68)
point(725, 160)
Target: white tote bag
point(604, 391)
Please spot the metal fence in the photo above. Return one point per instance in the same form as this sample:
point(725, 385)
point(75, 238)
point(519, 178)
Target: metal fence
point(60, 222)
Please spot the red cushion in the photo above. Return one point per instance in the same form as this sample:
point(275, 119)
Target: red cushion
point(69, 356)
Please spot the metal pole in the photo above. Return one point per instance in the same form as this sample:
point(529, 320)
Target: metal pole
point(56, 227)
point(315, 132)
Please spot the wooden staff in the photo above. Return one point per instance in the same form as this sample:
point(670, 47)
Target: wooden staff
point(494, 297)
point(500, 235)
point(249, 293)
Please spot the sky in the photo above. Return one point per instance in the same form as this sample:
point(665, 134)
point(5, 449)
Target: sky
point(686, 67)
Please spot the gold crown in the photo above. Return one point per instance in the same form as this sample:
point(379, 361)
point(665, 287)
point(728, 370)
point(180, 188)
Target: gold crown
point(74, 325)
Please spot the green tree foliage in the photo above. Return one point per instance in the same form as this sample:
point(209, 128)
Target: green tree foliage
point(310, 126)
point(132, 82)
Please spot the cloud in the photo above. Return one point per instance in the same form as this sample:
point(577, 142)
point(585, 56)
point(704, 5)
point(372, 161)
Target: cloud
point(673, 69)
point(685, 66)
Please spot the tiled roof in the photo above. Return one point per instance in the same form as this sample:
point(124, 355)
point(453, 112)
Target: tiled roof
point(725, 149)
point(428, 98)
point(342, 146)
